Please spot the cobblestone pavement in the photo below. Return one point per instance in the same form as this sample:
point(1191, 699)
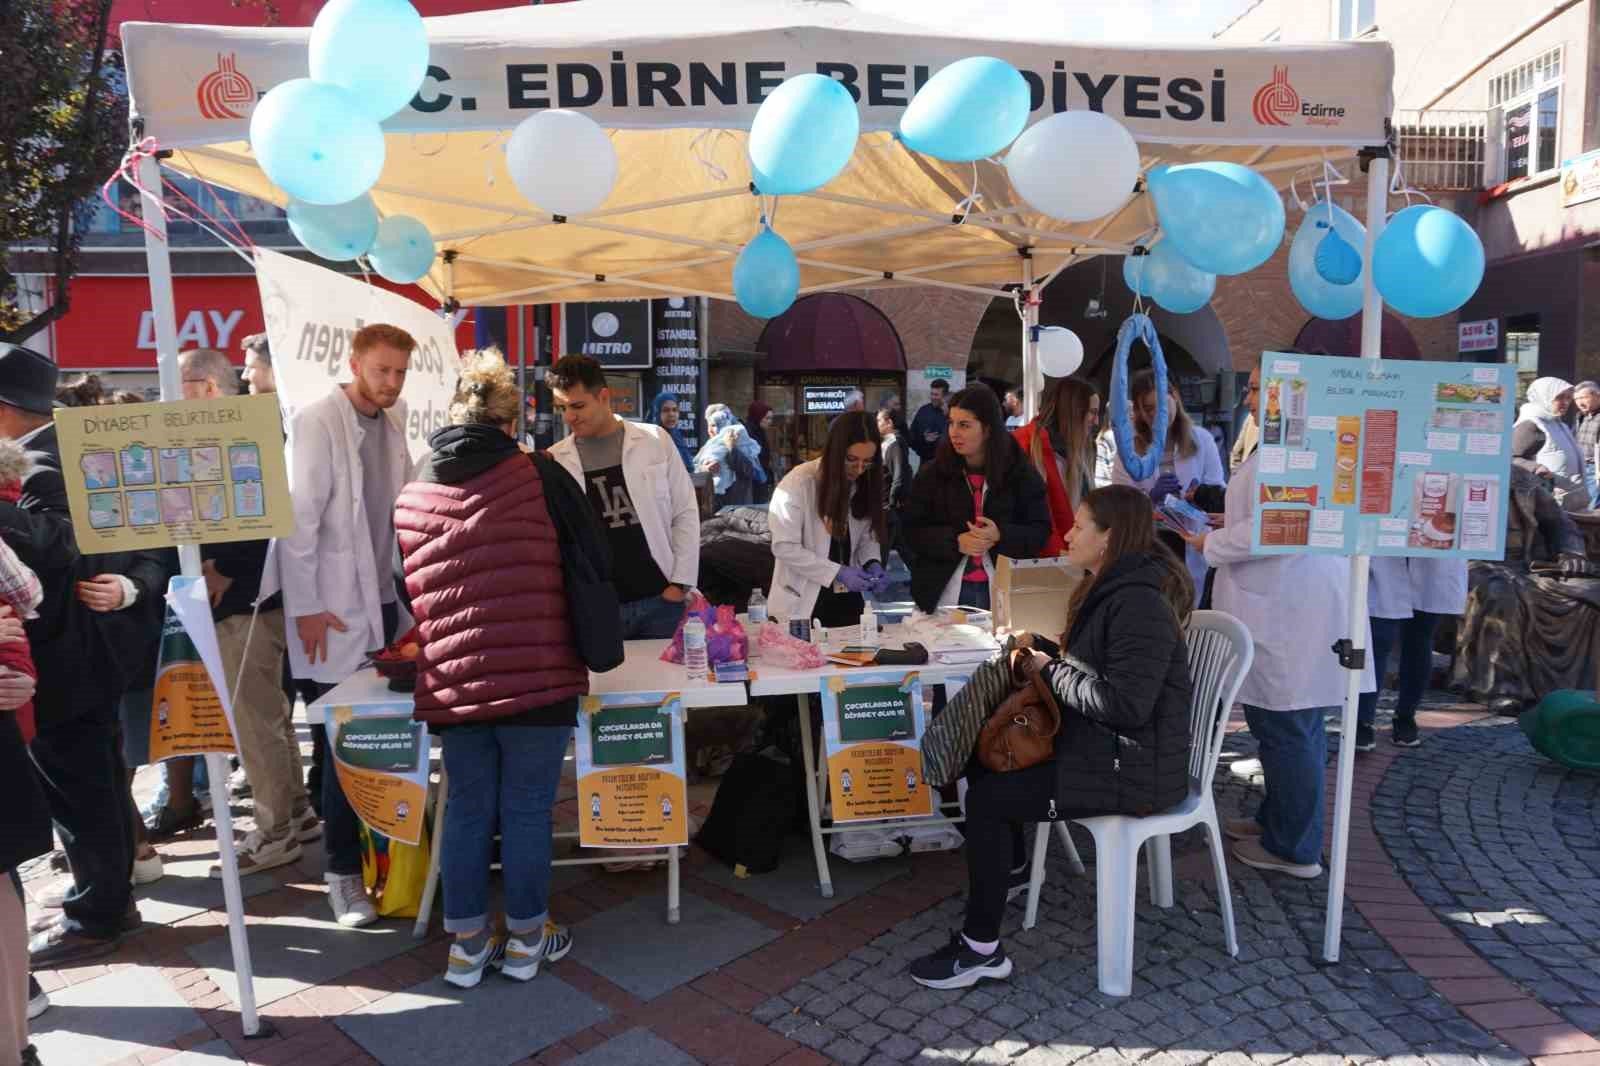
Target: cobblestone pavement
point(1446, 959)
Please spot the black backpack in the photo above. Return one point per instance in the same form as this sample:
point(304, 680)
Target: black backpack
point(755, 806)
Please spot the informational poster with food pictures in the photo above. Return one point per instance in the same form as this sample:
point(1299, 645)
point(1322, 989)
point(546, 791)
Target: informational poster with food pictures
point(381, 756)
point(872, 735)
point(189, 710)
point(1383, 457)
point(632, 789)
point(154, 475)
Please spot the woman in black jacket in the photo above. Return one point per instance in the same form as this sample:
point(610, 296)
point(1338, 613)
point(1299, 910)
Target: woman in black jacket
point(1121, 682)
point(979, 498)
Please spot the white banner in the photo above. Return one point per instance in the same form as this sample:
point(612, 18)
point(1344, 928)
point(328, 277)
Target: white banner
point(312, 313)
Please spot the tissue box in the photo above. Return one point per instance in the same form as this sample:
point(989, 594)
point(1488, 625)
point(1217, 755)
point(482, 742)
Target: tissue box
point(1031, 594)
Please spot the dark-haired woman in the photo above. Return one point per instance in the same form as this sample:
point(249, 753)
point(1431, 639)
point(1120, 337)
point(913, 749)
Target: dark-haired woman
point(1121, 683)
point(1061, 445)
point(978, 499)
point(827, 527)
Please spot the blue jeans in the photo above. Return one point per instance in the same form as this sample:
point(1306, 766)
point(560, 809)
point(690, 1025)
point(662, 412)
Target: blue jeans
point(1294, 756)
point(509, 775)
point(651, 618)
point(1415, 637)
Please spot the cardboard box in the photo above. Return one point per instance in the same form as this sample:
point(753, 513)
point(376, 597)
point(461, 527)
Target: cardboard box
point(1031, 594)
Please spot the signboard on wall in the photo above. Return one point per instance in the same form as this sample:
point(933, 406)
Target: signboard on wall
point(615, 332)
point(825, 399)
point(676, 323)
point(1482, 336)
point(1580, 179)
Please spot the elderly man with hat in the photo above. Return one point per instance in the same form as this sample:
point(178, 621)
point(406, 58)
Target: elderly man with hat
point(76, 751)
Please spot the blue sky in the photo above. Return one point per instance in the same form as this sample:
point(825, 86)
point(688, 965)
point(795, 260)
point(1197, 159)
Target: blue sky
point(1085, 20)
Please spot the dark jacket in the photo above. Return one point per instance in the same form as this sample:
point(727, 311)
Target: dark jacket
point(483, 570)
point(735, 555)
point(940, 506)
point(133, 634)
point(896, 474)
point(27, 833)
point(1122, 685)
point(243, 561)
point(927, 430)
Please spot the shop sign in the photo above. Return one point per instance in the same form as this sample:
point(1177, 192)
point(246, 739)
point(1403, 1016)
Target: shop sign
point(935, 373)
point(1482, 336)
point(1580, 179)
point(677, 360)
point(824, 399)
point(617, 333)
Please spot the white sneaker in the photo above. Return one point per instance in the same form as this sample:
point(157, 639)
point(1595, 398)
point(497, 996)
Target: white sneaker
point(464, 970)
point(348, 898)
point(307, 826)
point(256, 854)
point(149, 870)
point(38, 1000)
point(239, 784)
point(521, 959)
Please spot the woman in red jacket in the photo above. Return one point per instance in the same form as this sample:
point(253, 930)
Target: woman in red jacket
point(1060, 444)
point(498, 674)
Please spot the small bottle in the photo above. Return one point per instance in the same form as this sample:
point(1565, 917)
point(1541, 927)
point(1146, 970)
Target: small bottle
point(757, 616)
point(694, 649)
point(869, 626)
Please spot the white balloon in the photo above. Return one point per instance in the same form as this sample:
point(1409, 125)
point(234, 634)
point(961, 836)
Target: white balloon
point(562, 161)
point(1060, 352)
point(1075, 166)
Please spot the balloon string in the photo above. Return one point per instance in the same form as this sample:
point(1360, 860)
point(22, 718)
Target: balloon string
point(127, 170)
point(973, 199)
point(703, 148)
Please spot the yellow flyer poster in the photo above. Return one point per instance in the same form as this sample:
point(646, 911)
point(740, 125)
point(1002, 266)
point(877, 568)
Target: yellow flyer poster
point(381, 756)
point(872, 733)
point(632, 791)
point(187, 714)
point(154, 475)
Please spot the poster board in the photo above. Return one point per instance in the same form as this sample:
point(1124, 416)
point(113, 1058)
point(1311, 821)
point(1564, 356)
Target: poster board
point(632, 788)
point(381, 757)
point(190, 711)
point(154, 475)
point(1383, 457)
point(872, 724)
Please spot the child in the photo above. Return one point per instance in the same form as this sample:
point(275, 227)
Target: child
point(19, 586)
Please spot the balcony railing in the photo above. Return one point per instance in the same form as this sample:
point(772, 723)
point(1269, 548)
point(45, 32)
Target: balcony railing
point(1446, 150)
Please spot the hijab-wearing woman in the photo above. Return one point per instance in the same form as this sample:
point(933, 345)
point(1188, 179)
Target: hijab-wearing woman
point(757, 421)
point(1542, 443)
point(978, 499)
point(1061, 445)
point(1121, 683)
point(664, 413)
point(731, 456)
point(827, 527)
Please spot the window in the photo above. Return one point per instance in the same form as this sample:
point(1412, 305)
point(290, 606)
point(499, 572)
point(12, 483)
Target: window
point(1356, 17)
point(1522, 350)
point(1529, 99)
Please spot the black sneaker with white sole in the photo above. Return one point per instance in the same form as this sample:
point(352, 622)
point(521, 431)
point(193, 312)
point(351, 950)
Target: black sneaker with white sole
point(957, 966)
point(38, 1000)
point(1366, 737)
point(1405, 734)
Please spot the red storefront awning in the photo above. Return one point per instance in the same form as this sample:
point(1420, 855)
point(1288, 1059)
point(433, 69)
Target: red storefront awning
point(831, 332)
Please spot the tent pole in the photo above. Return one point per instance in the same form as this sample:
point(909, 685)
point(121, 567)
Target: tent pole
point(1032, 384)
point(1371, 345)
point(159, 266)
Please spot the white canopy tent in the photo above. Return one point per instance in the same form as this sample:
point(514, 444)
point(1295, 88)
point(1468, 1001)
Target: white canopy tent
point(678, 85)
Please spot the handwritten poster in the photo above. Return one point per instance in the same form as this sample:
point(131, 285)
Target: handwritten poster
point(632, 789)
point(872, 735)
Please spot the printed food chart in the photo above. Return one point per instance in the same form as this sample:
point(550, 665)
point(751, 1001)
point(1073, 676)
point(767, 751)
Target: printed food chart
point(1383, 457)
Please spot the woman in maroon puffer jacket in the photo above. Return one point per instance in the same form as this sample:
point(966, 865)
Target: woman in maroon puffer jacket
point(498, 676)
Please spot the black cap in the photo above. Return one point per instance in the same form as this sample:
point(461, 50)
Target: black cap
point(27, 379)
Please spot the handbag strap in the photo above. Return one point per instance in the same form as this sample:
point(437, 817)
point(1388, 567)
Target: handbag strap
point(1041, 688)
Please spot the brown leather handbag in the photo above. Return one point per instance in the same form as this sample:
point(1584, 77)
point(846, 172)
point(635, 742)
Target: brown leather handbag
point(1022, 730)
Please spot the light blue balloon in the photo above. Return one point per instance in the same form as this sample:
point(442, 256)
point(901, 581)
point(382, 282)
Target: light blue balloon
point(334, 231)
point(1321, 297)
point(314, 144)
point(766, 276)
point(1427, 261)
point(1167, 278)
point(377, 49)
point(403, 250)
point(1224, 218)
point(1336, 260)
point(969, 110)
point(803, 135)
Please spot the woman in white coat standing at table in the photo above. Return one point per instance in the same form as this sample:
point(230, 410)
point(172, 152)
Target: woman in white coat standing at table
point(1406, 599)
point(1296, 607)
point(827, 525)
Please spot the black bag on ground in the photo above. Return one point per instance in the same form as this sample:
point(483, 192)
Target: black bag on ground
point(592, 602)
point(751, 815)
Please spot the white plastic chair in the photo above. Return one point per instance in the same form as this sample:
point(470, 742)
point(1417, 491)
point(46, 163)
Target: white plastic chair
point(1220, 653)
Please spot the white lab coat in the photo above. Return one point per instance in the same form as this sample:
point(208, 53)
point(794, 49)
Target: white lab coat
point(1203, 467)
point(1295, 607)
point(326, 564)
point(1398, 586)
point(800, 544)
point(662, 494)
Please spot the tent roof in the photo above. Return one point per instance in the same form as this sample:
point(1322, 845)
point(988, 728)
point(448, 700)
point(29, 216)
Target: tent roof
point(678, 84)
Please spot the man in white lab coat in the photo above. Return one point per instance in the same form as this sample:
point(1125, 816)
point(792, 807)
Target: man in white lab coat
point(1407, 598)
point(347, 464)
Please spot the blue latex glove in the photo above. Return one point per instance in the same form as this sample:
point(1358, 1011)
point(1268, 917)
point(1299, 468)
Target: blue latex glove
point(1166, 485)
point(853, 578)
point(879, 577)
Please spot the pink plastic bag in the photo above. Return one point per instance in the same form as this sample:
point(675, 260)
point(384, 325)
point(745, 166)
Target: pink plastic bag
point(726, 641)
point(779, 648)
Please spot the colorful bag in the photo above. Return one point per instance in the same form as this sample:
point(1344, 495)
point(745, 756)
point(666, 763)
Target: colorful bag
point(394, 874)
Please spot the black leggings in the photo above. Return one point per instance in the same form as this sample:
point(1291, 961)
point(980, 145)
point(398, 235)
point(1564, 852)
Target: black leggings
point(997, 807)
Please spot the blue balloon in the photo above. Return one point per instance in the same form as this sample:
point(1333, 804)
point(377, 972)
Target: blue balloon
point(1321, 297)
point(314, 144)
point(334, 231)
point(803, 135)
point(377, 49)
point(1223, 218)
point(1139, 466)
point(969, 110)
point(1167, 278)
point(1427, 261)
point(403, 251)
point(1336, 260)
point(766, 276)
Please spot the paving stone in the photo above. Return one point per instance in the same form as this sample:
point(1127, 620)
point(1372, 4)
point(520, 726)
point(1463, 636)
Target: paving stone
point(633, 948)
point(899, 1047)
point(109, 1018)
point(847, 1052)
point(636, 1047)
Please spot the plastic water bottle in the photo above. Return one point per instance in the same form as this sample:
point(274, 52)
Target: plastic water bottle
point(869, 626)
point(757, 615)
point(694, 649)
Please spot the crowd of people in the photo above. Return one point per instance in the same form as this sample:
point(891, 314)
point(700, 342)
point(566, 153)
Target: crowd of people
point(476, 544)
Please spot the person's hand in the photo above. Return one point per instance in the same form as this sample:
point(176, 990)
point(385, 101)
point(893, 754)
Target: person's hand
point(11, 631)
point(1197, 541)
point(971, 544)
point(102, 593)
point(313, 630)
point(1544, 471)
point(879, 577)
point(711, 466)
point(1217, 520)
point(1189, 493)
point(986, 530)
point(672, 594)
point(853, 578)
point(15, 689)
point(217, 584)
point(1166, 485)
